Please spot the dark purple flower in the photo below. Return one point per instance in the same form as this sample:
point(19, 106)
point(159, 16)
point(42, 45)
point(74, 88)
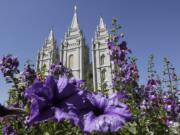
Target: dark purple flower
point(51, 99)
point(169, 105)
point(152, 96)
point(153, 84)
point(8, 130)
point(9, 65)
point(77, 83)
point(169, 122)
point(111, 45)
point(123, 72)
point(57, 70)
point(29, 74)
point(130, 72)
point(106, 116)
point(172, 107)
point(123, 46)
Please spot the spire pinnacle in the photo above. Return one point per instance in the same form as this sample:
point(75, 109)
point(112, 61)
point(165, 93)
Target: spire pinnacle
point(51, 35)
point(101, 23)
point(74, 23)
point(75, 9)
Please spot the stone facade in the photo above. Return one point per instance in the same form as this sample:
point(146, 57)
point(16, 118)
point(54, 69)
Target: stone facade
point(73, 50)
point(100, 57)
point(49, 52)
point(74, 53)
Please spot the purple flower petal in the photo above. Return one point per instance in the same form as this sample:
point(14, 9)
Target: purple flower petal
point(60, 115)
point(39, 111)
point(103, 123)
point(65, 88)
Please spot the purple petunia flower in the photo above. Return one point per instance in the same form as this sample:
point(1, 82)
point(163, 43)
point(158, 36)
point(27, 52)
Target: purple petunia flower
point(106, 116)
point(115, 97)
point(55, 100)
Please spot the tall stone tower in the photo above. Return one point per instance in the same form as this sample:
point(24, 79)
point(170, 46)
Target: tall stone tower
point(73, 49)
point(100, 57)
point(48, 53)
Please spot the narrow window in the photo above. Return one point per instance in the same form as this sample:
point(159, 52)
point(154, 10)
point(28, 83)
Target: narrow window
point(102, 59)
point(103, 74)
point(71, 61)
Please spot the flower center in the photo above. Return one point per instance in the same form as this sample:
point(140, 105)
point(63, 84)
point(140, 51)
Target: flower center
point(98, 111)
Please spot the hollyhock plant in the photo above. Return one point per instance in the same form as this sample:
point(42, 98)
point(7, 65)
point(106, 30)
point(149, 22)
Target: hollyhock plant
point(28, 75)
point(150, 91)
point(169, 105)
point(106, 116)
point(9, 65)
point(172, 108)
point(123, 72)
point(57, 70)
point(130, 72)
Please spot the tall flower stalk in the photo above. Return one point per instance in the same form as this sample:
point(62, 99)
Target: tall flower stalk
point(170, 77)
point(153, 77)
point(124, 69)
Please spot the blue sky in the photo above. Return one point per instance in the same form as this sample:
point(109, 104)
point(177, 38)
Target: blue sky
point(151, 27)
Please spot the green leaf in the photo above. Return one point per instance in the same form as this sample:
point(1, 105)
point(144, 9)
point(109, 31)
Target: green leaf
point(132, 128)
point(46, 133)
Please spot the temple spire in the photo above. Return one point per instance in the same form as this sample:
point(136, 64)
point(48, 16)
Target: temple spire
point(51, 35)
point(74, 23)
point(101, 23)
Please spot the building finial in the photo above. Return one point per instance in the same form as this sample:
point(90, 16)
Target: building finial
point(101, 23)
point(75, 23)
point(51, 34)
point(75, 9)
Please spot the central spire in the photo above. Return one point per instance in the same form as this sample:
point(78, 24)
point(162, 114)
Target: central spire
point(101, 23)
point(75, 23)
point(51, 35)
point(75, 9)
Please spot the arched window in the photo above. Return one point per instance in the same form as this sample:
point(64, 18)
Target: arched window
point(102, 59)
point(71, 61)
point(103, 74)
